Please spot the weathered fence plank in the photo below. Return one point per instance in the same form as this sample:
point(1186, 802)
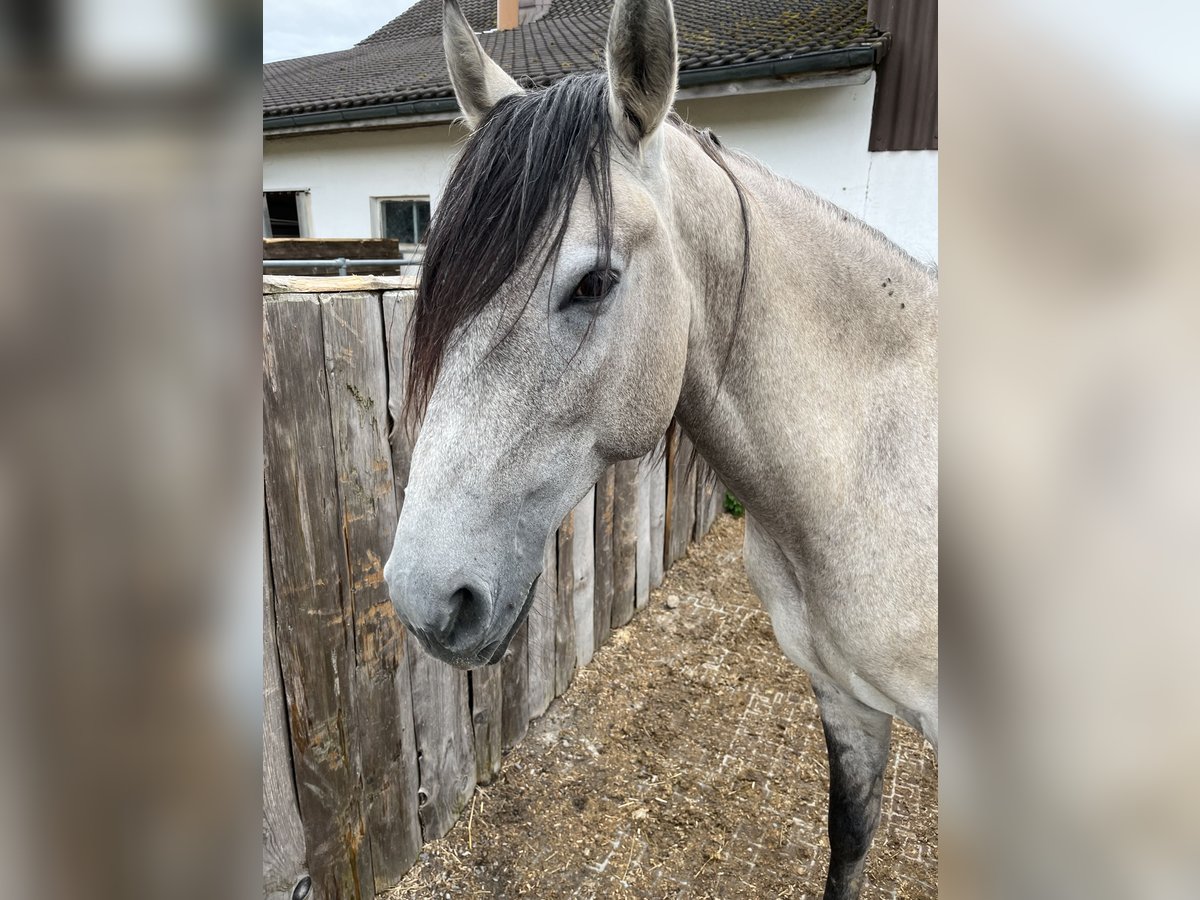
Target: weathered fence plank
point(442, 715)
point(309, 575)
point(645, 538)
point(540, 639)
point(710, 496)
point(583, 591)
point(397, 308)
point(625, 541)
point(564, 607)
point(445, 742)
point(487, 705)
point(356, 369)
point(514, 670)
point(681, 496)
point(603, 541)
point(283, 834)
point(658, 511)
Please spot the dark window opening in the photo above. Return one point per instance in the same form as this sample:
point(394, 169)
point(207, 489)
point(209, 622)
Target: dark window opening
point(404, 220)
point(282, 214)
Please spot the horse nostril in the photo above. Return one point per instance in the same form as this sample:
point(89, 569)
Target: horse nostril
point(466, 610)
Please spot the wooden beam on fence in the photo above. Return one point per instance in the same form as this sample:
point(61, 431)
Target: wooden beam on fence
point(313, 618)
point(658, 512)
point(625, 541)
point(445, 742)
point(584, 590)
point(442, 716)
point(540, 639)
point(514, 676)
point(487, 710)
point(397, 310)
point(681, 497)
point(645, 544)
point(603, 542)
point(356, 368)
point(564, 608)
point(710, 497)
point(284, 850)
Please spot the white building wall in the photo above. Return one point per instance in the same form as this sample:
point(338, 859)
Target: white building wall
point(817, 137)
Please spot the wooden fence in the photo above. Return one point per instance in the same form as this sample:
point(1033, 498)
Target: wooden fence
point(370, 746)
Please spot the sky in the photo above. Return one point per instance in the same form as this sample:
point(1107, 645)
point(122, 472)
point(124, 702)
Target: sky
point(294, 28)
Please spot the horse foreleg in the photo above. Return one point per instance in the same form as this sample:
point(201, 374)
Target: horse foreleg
point(857, 738)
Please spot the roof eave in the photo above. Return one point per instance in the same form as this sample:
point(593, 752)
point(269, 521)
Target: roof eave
point(434, 109)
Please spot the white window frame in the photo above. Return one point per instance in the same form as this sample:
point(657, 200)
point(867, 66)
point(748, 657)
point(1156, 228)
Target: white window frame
point(377, 214)
point(303, 208)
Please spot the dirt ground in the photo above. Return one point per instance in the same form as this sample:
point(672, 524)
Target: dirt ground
point(686, 761)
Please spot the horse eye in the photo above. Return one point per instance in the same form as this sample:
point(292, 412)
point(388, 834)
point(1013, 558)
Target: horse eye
point(594, 286)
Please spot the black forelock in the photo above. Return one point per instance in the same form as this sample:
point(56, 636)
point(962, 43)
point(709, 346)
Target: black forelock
point(511, 187)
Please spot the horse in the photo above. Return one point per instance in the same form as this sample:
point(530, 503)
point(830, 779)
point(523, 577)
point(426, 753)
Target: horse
point(597, 267)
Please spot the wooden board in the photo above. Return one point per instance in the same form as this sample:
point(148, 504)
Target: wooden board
point(313, 621)
point(645, 544)
point(681, 496)
point(487, 706)
point(397, 310)
point(540, 639)
point(658, 512)
point(514, 669)
point(710, 499)
point(625, 541)
point(324, 284)
point(602, 600)
point(442, 716)
point(283, 835)
point(356, 369)
point(584, 589)
point(445, 742)
point(564, 608)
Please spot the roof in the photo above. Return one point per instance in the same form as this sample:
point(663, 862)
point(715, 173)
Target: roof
point(400, 70)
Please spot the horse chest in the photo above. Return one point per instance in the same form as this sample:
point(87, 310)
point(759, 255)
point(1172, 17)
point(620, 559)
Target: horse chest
point(802, 622)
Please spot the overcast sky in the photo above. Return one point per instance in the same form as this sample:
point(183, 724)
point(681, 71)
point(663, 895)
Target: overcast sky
point(303, 27)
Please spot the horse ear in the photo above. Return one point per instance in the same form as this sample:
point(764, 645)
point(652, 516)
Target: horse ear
point(642, 65)
point(479, 84)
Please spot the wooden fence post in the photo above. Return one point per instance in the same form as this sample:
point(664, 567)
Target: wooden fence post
point(658, 512)
point(487, 710)
point(442, 719)
point(564, 609)
point(514, 670)
point(284, 850)
point(681, 496)
point(540, 642)
point(313, 621)
point(625, 541)
point(583, 591)
point(356, 369)
point(604, 557)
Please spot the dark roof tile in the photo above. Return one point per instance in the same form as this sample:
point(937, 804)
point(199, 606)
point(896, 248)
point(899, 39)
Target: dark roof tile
point(403, 60)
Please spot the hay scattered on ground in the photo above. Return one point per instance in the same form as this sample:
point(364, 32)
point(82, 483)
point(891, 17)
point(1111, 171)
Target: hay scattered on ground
point(686, 761)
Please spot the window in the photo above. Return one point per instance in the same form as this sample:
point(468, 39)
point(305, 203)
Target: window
point(285, 214)
point(406, 219)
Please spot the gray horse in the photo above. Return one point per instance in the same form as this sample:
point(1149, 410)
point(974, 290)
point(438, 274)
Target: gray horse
point(597, 266)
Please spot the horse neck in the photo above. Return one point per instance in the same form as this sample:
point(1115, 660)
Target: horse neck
point(835, 321)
